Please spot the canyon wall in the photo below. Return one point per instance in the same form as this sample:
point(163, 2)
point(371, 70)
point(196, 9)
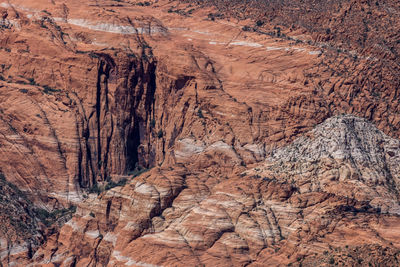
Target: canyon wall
point(156, 134)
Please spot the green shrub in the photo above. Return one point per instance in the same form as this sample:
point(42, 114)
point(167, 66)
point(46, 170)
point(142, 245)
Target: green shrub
point(259, 23)
point(246, 28)
point(95, 189)
point(32, 81)
point(49, 90)
point(160, 133)
point(137, 171)
point(112, 184)
point(145, 3)
point(93, 55)
point(48, 218)
point(21, 82)
point(153, 123)
point(200, 113)
point(278, 31)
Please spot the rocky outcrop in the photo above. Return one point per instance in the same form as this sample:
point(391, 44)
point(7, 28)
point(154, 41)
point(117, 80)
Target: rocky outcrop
point(345, 155)
point(23, 226)
point(20, 231)
point(112, 130)
point(304, 206)
point(366, 27)
point(199, 144)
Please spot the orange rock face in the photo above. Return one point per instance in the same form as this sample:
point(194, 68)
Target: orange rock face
point(165, 134)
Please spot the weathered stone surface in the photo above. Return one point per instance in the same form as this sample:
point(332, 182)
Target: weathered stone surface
point(187, 140)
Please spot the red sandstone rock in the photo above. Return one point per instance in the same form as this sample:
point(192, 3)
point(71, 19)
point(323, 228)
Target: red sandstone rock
point(94, 92)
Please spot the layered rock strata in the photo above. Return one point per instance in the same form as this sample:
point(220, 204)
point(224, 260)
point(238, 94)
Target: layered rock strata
point(173, 134)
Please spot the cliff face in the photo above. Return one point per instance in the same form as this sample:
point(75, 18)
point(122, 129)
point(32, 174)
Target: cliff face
point(305, 204)
point(20, 230)
point(183, 140)
point(84, 136)
point(117, 123)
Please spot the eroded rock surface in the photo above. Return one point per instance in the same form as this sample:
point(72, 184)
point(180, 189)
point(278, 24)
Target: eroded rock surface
point(345, 154)
point(311, 202)
point(184, 138)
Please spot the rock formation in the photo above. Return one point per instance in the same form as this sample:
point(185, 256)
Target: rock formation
point(324, 198)
point(171, 133)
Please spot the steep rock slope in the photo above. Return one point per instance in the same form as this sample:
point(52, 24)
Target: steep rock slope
point(95, 92)
point(19, 228)
point(23, 226)
point(346, 155)
point(325, 198)
point(359, 39)
point(369, 27)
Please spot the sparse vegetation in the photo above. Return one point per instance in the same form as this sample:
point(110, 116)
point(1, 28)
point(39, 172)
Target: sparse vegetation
point(21, 82)
point(49, 90)
point(145, 3)
point(246, 28)
point(112, 184)
point(277, 31)
point(47, 12)
point(95, 189)
point(152, 123)
point(32, 81)
point(213, 16)
point(160, 133)
point(200, 113)
point(49, 218)
point(259, 23)
point(93, 55)
point(137, 171)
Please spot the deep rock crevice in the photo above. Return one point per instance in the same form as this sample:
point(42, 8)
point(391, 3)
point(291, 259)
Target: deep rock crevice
point(115, 128)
